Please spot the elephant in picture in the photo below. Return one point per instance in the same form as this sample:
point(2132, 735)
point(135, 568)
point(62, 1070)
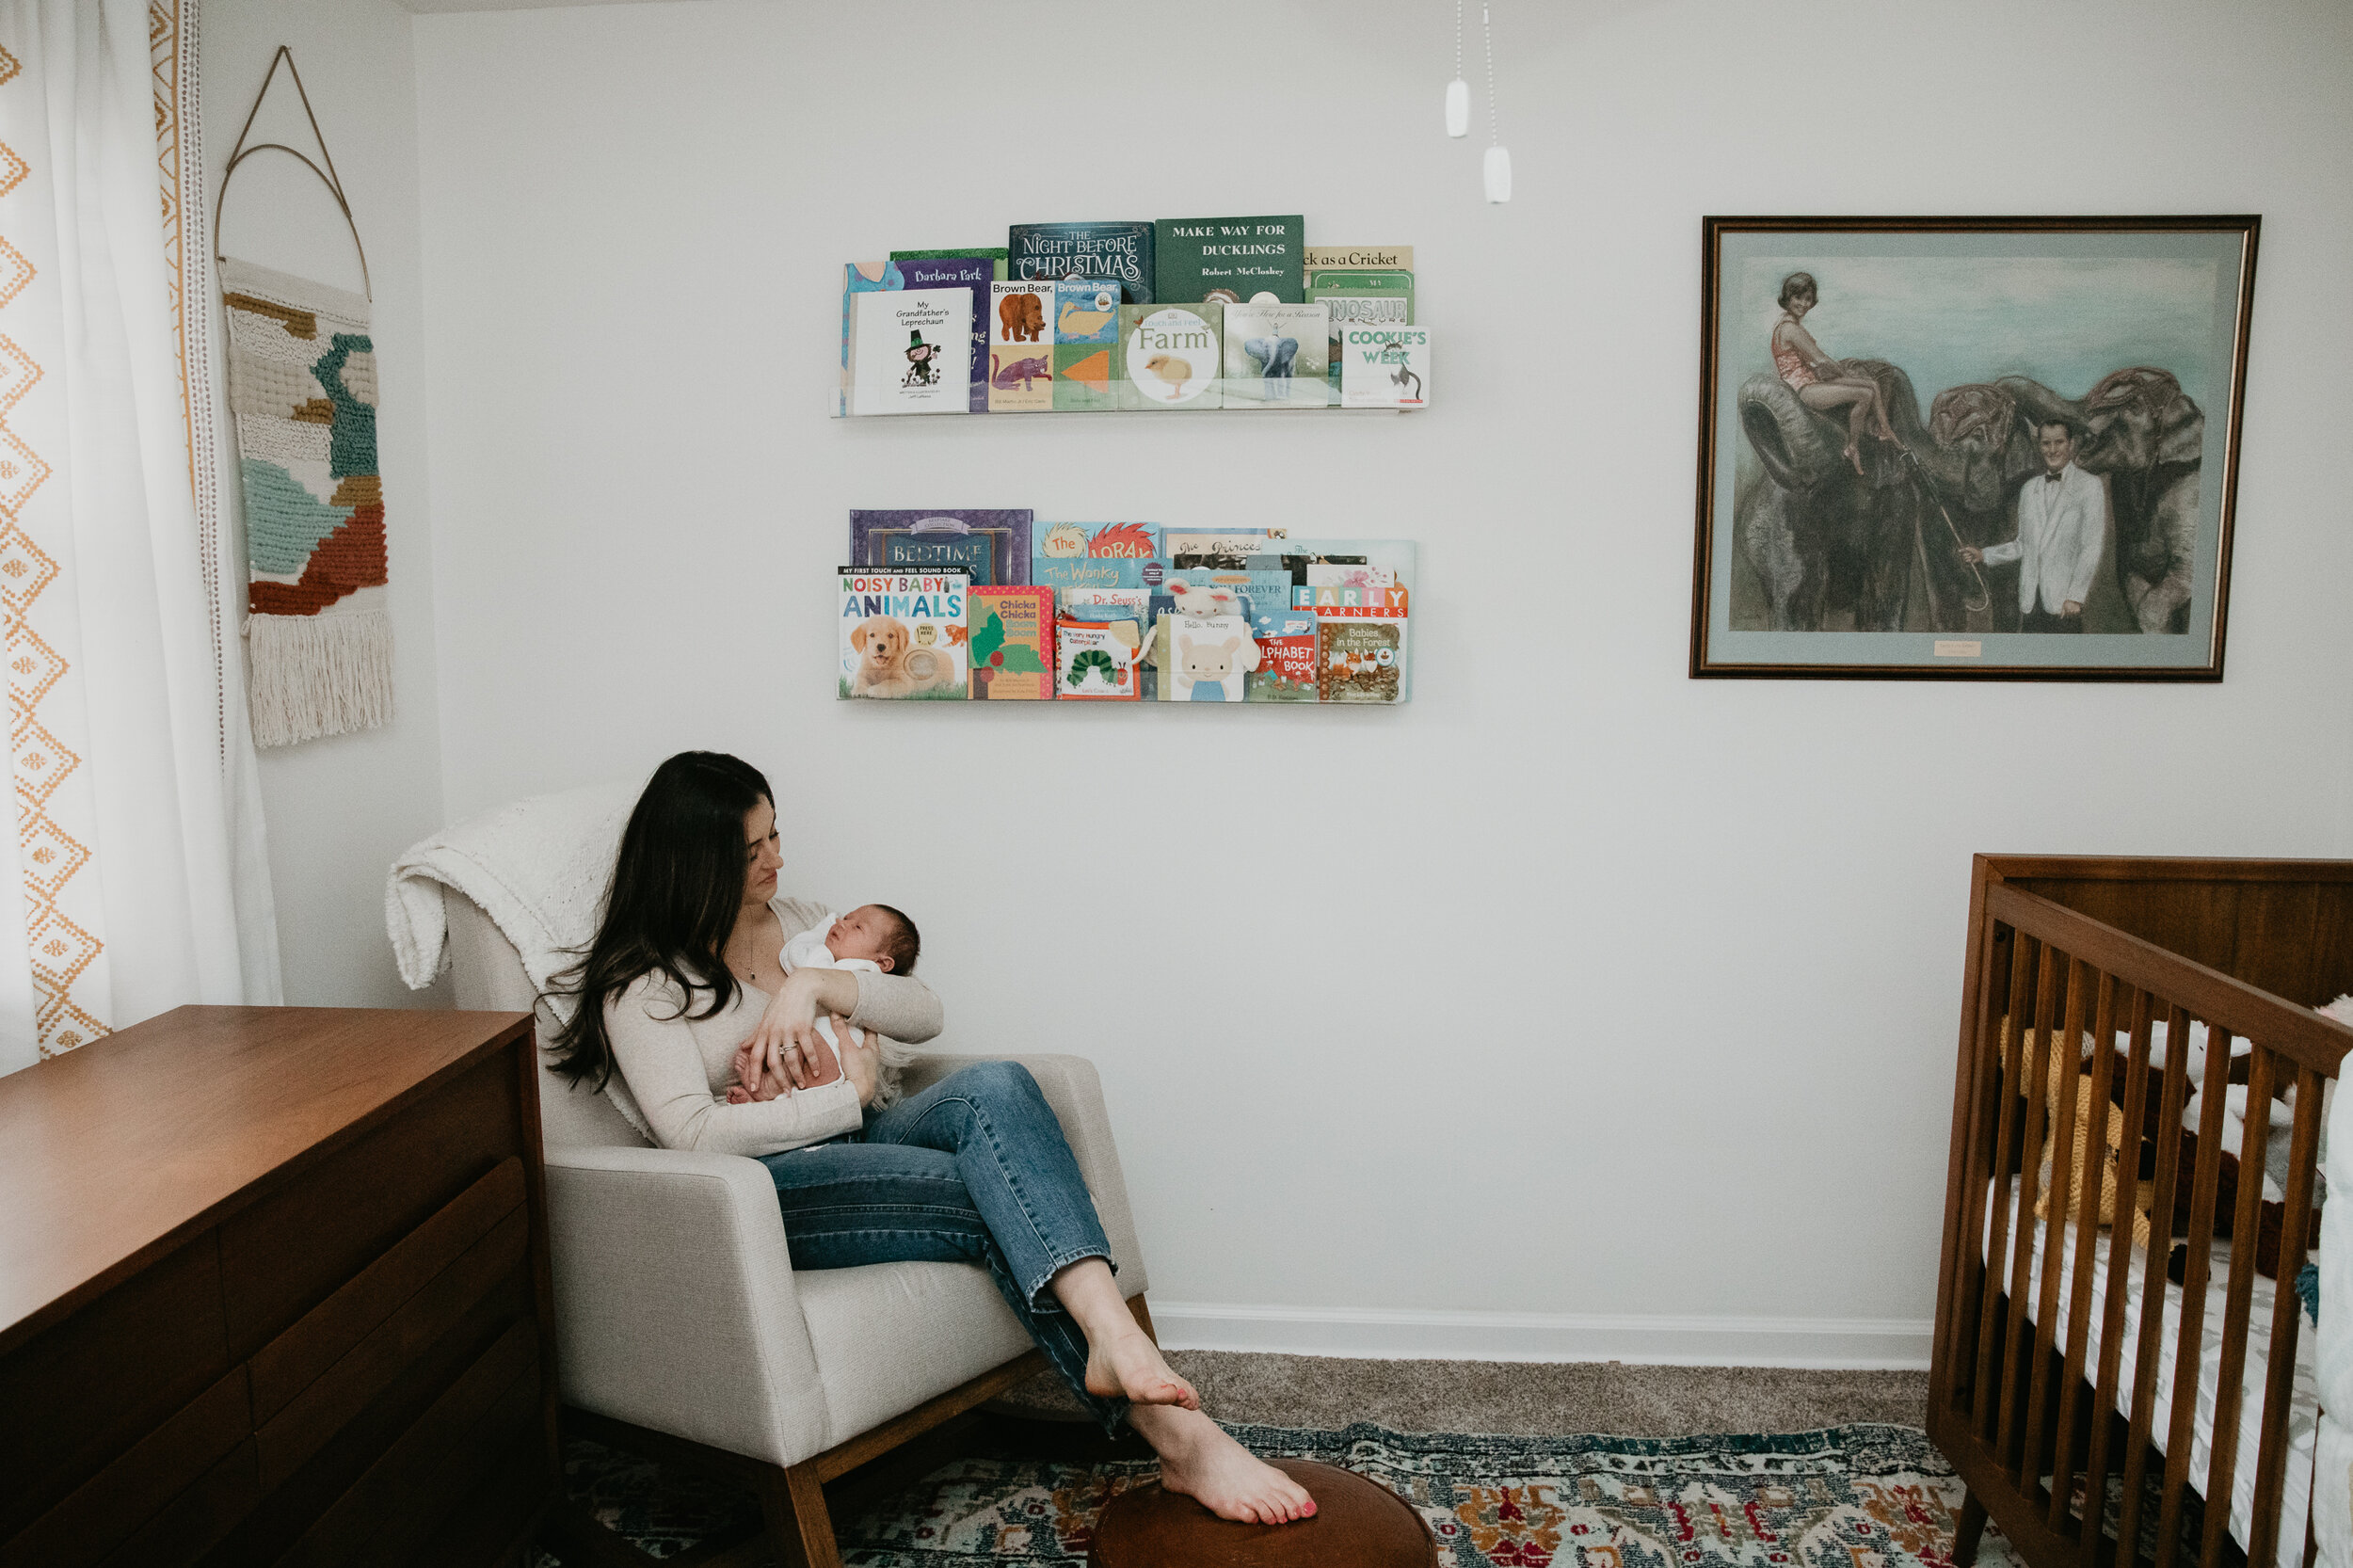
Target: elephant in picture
point(2148, 438)
point(1824, 539)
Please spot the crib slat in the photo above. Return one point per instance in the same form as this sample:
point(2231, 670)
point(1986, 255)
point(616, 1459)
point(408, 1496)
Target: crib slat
point(2005, 1157)
point(2034, 1072)
point(2051, 1239)
point(2230, 1388)
point(2119, 1266)
point(2175, 1093)
point(2189, 1348)
point(1976, 1171)
point(2087, 1236)
point(2287, 1316)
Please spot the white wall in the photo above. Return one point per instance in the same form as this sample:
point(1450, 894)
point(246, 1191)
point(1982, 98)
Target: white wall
point(339, 810)
point(1579, 999)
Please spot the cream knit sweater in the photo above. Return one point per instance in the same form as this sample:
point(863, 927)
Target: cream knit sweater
point(672, 1071)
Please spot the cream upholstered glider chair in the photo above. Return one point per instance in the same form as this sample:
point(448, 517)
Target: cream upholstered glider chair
point(681, 1327)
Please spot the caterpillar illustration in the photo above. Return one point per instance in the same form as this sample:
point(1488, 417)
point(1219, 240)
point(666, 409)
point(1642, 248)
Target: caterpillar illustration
point(1093, 658)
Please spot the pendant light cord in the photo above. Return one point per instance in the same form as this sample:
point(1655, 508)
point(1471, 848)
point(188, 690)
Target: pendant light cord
point(1458, 40)
point(1495, 134)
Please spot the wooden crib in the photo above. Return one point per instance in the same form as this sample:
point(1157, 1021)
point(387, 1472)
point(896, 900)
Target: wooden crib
point(2030, 1396)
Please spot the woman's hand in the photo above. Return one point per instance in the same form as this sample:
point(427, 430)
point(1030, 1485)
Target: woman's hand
point(787, 1043)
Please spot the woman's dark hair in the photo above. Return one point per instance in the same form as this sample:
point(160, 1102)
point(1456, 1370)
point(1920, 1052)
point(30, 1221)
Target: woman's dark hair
point(677, 885)
point(1795, 284)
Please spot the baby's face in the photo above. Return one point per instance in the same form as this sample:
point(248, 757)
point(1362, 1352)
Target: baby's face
point(861, 934)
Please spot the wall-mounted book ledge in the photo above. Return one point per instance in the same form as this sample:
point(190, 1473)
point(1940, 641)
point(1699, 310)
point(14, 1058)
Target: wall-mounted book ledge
point(1182, 314)
point(957, 606)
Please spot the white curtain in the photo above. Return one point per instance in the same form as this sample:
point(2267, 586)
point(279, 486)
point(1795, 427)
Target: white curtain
point(122, 842)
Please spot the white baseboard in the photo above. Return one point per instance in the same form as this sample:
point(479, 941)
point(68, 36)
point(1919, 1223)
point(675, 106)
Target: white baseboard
point(1887, 1343)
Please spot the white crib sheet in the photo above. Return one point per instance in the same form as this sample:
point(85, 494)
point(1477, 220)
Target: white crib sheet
point(2303, 1403)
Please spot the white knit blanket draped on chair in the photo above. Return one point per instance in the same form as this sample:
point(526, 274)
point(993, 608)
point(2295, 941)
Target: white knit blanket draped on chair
point(537, 868)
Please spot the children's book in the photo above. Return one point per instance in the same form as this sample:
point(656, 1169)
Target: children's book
point(902, 633)
point(1388, 367)
point(1011, 647)
point(1020, 364)
point(1353, 574)
point(1095, 661)
point(1097, 556)
point(1086, 310)
point(1170, 355)
point(911, 352)
point(993, 546)
point(1203, 658)
point(1358, 308)
point(1197, 590)
point(1082, 377)
point(1051, 252)
point(1276, 356)
point(1106, 603)
point(1287, 657)
point(974, 274)
point(1230, 260)
point(1360, 660)
point(994, 254)
point(1363, 280)
point(860, 278)
point(1219, 549)
point(1397, 257)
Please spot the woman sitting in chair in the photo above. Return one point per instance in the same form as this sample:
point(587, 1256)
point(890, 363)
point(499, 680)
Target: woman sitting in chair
point(974, 1169)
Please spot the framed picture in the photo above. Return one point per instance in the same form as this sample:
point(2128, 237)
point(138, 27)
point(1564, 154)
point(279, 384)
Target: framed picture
point(1969, 447)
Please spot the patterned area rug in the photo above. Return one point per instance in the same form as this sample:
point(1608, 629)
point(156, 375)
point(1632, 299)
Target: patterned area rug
point(1855, 1496)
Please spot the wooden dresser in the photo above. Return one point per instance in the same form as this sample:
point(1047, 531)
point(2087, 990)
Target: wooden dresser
point(273, 1290)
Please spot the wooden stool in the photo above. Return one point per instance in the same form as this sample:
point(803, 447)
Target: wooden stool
point(1357, 1524)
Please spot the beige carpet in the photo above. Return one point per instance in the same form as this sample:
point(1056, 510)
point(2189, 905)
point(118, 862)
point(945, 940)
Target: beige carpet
point(1526, 1397)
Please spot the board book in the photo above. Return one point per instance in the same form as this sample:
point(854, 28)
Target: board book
point(1169, 356)
point(1277, 356)
point(1096, 661)
point(993, 546)
point(1230, 260)
point(911, 351)
point(1387, 367)
point(902, 633)
point(1203, 658)
point(1009, 648)
point(1050, 252)
point(1020, 365)
point(975, 274)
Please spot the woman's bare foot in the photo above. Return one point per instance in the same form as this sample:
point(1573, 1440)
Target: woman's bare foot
point(1199, 1461)
point(1129, 1364)
point(1854, 455)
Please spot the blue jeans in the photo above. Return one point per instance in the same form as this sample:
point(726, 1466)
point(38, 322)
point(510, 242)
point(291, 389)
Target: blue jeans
point(973, 1170)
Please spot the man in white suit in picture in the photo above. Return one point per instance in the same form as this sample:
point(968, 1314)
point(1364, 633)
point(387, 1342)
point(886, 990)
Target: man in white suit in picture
point(2062, 517)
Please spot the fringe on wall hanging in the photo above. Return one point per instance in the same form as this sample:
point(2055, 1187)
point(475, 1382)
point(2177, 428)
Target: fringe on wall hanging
point(302, 392)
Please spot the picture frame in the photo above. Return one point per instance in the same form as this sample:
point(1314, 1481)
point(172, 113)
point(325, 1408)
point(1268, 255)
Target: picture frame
point(1871, 516)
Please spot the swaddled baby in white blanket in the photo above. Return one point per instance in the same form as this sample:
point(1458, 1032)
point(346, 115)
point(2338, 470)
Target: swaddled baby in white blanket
point(874, 936)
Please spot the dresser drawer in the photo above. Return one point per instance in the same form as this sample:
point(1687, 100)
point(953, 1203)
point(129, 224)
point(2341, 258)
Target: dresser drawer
point(291, 1250)
point(78, 1395)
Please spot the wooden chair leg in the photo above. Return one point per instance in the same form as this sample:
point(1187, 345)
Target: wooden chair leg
point(800, 1527)
point(1971, 1527)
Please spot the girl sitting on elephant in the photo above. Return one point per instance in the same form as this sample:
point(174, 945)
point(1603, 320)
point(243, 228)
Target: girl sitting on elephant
point(1815, 377)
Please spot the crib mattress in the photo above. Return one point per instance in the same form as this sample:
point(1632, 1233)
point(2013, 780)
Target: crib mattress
point(2303, 1404)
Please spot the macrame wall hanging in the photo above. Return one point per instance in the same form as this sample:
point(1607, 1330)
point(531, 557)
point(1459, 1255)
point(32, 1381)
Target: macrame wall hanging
point(302, 392)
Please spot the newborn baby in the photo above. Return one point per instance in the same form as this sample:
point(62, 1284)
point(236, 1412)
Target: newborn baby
point(874, 937)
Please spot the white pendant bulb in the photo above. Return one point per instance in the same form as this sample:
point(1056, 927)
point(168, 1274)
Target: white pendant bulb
point(1458, 91)
point(1497, 168)
point(1498, 174)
